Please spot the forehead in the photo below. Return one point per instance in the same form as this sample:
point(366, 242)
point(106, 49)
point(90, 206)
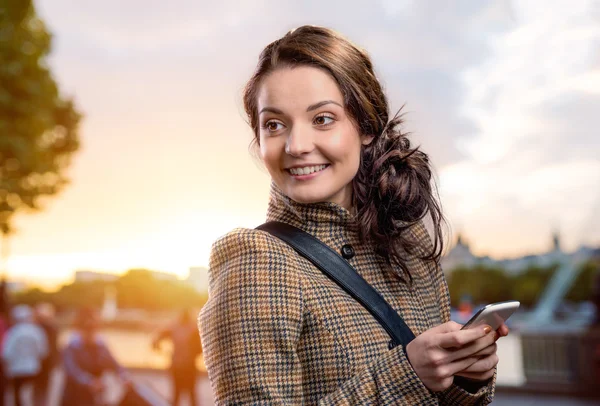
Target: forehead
point(298, 87)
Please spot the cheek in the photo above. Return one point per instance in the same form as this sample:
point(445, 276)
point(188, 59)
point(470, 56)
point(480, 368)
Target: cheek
point(346, 148)
point(270, 154)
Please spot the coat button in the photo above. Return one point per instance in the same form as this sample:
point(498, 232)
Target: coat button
point(347, 251)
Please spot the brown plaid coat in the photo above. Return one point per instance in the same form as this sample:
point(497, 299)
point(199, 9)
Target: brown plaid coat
point(276, 330)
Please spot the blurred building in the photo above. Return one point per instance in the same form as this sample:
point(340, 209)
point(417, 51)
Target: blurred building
point(109, 307)
point(16, 286)
point(93, 276)
point(163, 276)
point(198, 278)
point(461, 255)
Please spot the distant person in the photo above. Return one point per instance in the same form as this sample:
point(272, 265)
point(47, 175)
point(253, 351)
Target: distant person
point(3, 379)
point(85, 359)
point(465, 309)
point(44, 314)
point(595, 328)
point(186, 347)
point(23, 350)
point(4, 311)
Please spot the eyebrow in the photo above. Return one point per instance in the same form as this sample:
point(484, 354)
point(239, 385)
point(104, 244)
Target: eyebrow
point(270, 109)
point(310, 108)
point(320, 104)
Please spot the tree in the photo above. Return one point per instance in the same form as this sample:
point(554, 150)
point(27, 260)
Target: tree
point(582, 289)
point(528, 286)
point(136, 289)
point(38, 127)
point(482, 283)
point(139, 289)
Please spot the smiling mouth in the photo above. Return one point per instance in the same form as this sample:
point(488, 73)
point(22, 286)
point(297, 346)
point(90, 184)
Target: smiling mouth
point(306, 170)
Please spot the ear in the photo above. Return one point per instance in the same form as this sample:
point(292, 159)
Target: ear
point(367, 139)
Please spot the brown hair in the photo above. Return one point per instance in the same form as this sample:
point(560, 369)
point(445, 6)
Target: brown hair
point(392, 189)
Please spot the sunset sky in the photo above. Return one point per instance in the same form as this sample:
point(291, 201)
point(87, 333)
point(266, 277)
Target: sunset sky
point(501, 94)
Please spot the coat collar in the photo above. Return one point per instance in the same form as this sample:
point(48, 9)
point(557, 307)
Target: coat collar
point(329, 222)
point(319, 219)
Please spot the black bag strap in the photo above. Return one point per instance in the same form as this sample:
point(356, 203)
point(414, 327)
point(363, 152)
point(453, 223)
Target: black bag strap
point(342, 273)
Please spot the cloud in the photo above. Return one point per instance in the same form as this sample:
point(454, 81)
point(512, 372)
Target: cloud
point(535, 100)
point(146, 25)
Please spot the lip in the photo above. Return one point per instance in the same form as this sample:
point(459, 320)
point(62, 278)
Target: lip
point(310, 175)
point(303, 166)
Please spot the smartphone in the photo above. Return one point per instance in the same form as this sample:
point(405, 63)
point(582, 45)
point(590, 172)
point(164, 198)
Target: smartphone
point(493, 315)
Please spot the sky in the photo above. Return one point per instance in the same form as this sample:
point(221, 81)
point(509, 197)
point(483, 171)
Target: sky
point(501, 94)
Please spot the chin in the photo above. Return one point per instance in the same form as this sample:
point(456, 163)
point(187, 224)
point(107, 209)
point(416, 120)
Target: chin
point(306, 197)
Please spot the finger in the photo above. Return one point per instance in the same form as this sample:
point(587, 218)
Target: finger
point(447, 327)
point(460, 365)
point(460, 338)
point(477, 376)
point(490, 349)
point(503, 330)
point(474, 347)
point(482, 364)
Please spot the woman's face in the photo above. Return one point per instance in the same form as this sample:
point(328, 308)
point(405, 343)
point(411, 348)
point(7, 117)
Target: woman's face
point(308, 143)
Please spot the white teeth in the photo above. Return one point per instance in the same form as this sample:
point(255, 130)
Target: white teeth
point(307, 170)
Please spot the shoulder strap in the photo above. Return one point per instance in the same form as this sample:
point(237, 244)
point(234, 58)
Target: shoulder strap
point(342, 273)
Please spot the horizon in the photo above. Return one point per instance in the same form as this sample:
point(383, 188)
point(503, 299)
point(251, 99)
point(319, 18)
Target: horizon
point(183, 277)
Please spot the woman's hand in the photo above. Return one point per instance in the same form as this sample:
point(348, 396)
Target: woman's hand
point(484, 368)
point(443, 351)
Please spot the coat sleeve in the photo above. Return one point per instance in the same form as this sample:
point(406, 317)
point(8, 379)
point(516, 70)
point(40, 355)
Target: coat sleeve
point(456, 394)
point(72, 369)
point(251, 325)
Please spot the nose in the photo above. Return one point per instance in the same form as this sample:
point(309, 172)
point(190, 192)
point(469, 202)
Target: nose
point(299, 142)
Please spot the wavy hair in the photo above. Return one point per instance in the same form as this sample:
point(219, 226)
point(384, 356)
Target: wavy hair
point(392, 190)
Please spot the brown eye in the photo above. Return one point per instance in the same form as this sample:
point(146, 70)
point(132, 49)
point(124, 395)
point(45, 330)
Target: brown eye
point(323, 120)
point(272, 126)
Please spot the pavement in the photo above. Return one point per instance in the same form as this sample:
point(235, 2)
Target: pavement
point(159, 381)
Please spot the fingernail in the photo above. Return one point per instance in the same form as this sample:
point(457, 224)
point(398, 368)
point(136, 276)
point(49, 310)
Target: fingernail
point(487, 329)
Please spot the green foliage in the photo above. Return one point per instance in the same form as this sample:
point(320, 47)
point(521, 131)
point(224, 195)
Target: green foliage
point(38, 127)
point(136, 289)
point(32, 296)
point(74, 295)
point(529, 285)
point(583, 286)
point(80, 294)
point(139, 289)
point(487, 285)
point(484, 284)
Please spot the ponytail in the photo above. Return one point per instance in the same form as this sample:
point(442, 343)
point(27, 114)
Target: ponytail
point(393, 192)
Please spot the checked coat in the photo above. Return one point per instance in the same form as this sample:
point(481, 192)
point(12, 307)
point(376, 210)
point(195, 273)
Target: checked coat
point(276, 330)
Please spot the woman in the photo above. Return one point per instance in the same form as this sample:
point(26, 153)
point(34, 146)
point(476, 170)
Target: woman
point(85, 359)
point(275, 329)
